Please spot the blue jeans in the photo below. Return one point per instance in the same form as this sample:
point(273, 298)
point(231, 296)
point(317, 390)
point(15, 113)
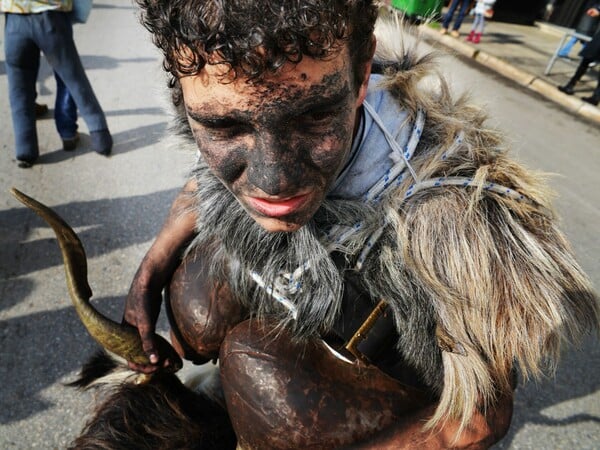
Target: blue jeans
point(65, 111)
point(52, 33)
point(464, 4)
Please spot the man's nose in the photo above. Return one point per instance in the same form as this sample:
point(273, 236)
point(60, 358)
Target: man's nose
point(275, 168)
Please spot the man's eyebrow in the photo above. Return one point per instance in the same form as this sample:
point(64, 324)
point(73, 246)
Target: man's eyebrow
point(201, 115)
point(321, 101)
point(312, 100)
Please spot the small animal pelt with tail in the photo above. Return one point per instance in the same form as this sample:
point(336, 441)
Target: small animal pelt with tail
point(138, 411)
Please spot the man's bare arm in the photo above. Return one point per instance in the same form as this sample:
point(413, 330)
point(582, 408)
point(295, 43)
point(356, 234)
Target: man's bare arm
point(145, 294)
point(484, 429)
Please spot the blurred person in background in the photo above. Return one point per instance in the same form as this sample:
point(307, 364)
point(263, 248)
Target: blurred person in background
point(589, 55)
point(45, 25)
point(463, 7)
point(587, 25)
point(483, 10)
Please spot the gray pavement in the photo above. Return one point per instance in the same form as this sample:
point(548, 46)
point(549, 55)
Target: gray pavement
point(521, 53)
point(117, 205)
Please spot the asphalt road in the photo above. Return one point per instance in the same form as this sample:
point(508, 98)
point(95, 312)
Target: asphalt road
point(117, 205)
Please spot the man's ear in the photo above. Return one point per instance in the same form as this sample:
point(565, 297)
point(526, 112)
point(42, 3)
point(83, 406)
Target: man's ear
point(362, 90)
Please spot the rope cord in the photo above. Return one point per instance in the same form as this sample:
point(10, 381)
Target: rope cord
point(290, 283)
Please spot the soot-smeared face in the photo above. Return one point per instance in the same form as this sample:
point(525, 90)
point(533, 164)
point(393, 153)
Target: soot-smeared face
point(277, 144)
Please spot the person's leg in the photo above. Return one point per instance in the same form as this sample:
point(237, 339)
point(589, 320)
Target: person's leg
point(22, 64)
point(40, 109)
point(475, 35)
point(479, 28)
point(462, 12)
point(595, 97)
point(65, 115)
point(569, 88)
point(61, 53)
point(471, 35)
point(450, 14)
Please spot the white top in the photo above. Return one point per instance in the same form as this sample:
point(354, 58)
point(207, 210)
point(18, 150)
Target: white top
point(483, 5)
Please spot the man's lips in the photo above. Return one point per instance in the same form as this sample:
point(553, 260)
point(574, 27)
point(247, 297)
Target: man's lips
point(277, 207)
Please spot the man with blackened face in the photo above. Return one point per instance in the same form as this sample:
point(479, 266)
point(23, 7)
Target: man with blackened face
point(345, 240)
point(279, 142)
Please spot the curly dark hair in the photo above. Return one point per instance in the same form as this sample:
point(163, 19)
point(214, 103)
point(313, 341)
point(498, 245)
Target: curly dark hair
point(254, 37)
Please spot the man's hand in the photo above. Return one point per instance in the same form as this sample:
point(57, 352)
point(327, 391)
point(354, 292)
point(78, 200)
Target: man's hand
point(141, 311)
point(593, 12)
point(145, 295)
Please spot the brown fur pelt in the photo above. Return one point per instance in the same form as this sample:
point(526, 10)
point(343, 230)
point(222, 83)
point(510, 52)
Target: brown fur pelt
point(160, 414)
point(499, 274)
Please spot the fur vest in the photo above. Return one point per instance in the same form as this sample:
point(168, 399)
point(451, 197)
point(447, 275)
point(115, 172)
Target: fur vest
point(464, 249)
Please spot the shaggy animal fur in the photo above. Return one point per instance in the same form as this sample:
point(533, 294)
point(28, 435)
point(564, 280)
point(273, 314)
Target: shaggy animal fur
point(491, 273)
point(159, 414)
point(498, 273)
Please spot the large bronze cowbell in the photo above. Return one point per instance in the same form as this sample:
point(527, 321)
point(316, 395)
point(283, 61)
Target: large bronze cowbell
point(283, 393)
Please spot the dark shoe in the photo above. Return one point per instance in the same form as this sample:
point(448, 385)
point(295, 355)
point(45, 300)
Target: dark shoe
point(23, 164)
point(567, 89)
point(593, 100)
point(101, 142)
point(40, 110)
point(70, 144)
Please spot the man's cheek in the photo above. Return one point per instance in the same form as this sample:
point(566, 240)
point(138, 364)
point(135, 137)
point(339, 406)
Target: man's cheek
point(228, 165)
point(330, 154)
point(329, 151)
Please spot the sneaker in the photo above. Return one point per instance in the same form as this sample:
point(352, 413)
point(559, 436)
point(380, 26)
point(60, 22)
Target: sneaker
point(591, 100)
point(444, 31)
point(454, 33)
point(566, 89)
point(70, 144)
point(40, 110)
point(102, 141)
point(24, 164)
point(477, 38)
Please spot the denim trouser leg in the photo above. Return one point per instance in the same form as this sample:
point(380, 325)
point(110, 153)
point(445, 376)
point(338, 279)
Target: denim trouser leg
point(462, 12)
point(22, 64)
point(65, 111)
point(55, 39)
point(450, 13)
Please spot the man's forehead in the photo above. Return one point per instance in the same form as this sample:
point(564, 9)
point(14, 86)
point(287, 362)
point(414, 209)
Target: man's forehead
point(309, 78)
